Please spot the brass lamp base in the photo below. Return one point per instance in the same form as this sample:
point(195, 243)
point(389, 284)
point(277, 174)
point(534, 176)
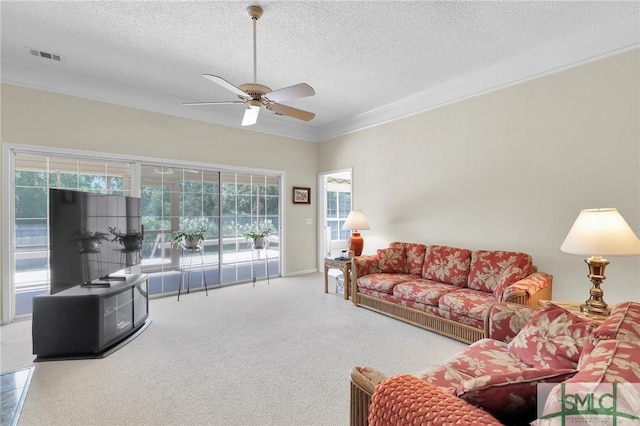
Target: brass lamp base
point(596, 305)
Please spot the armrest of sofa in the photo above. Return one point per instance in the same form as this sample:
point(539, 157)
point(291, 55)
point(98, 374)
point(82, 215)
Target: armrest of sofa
point(529, 290)
point(367, 378)
point(504, 320)
point(363, 384)
point(365, 265)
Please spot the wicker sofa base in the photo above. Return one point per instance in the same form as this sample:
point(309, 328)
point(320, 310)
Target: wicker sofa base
point(361, 395)
point(462, 332)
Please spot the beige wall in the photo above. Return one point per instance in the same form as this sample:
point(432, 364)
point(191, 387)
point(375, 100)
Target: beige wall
point(506, 170)
point(35, 117)
point(509, 170)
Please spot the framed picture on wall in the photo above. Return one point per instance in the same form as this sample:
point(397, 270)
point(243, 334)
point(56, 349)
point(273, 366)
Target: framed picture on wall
point(301, 195)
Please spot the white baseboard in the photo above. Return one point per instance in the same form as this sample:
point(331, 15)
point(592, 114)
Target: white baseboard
point(305, 272)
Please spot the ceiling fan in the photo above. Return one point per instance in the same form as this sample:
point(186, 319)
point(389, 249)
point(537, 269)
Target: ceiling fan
point(256, 95)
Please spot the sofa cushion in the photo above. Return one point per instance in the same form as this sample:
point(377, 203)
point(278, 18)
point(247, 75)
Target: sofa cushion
point(446, 378)
point(511, 397)
point(383, 282)
point(505, 320)
point(447, 265)
point(400, 302)
point(498, 380)
point(611, 361)
point(491, 270)
point(553, 338)
point(486, 356)
point(623, 323)
point(462, 319)
point(423, 291)
point(467, 303)
point(414, 254)
point(392, 260)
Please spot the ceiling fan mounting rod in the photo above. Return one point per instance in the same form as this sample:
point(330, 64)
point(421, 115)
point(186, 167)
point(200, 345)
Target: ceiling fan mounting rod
point(255, 12)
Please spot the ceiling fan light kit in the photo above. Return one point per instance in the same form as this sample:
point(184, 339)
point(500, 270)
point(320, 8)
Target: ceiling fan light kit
point(256, 95)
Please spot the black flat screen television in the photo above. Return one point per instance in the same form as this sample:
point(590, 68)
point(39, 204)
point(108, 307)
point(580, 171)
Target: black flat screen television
point(92, 236)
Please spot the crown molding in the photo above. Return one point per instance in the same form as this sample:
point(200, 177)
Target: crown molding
point(598, 43)
point(579, 49)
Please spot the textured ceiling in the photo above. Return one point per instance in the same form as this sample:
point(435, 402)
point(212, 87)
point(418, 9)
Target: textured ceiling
point(368, 61)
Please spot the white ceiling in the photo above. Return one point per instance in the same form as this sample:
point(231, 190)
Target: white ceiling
point(368, 61)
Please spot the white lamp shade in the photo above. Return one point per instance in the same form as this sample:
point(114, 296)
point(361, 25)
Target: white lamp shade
point(356, 221)
point(601, 232)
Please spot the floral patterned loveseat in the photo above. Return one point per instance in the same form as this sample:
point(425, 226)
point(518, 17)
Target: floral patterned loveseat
point(526, 347)
point(445, 289)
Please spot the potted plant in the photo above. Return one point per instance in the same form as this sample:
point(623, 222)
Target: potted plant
point(190, 239)
point(258, 233)
point(130, 240)
point(88, 241)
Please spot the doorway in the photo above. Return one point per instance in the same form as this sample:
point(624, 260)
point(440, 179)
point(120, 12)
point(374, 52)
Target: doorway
point(334, 204)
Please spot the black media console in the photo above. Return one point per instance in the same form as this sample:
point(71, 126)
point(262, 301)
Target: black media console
point(89, 322)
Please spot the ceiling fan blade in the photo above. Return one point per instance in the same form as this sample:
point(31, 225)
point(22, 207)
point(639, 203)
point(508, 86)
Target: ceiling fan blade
point(214, 103)
point(224, 83)
point(300, 90)
point(290, 111)
point(250, 115)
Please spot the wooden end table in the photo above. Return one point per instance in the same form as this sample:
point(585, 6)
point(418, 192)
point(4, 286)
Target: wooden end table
point(345, 267)
point(574, 308)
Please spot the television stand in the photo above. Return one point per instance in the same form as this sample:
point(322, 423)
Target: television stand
point(89, 321)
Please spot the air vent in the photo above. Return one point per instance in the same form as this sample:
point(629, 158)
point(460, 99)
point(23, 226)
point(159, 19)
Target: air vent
point(45, 55)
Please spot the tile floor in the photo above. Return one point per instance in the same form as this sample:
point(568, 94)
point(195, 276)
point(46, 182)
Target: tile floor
point(13, 388)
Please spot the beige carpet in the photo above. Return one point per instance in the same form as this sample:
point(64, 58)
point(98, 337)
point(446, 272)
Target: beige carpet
point(276, 354)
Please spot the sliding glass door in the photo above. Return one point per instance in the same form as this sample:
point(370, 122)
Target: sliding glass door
point(173, 198)
point(249, 199)
point(226, 204)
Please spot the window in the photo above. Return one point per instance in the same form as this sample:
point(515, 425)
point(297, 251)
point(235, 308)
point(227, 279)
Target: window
point(338, 207)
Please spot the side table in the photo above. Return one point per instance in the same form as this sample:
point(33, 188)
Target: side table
point(345, 267)
point(574, 308)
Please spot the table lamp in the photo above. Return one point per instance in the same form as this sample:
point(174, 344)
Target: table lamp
point(356, 221)
point(596, 233)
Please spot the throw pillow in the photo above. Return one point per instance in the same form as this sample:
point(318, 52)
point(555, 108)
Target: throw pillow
point(511, 396)
point(553, 338)
point(392, 260)
point(407, 400)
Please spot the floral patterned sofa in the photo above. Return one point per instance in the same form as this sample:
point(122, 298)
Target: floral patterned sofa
point(526, 347)
point(445, 289)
